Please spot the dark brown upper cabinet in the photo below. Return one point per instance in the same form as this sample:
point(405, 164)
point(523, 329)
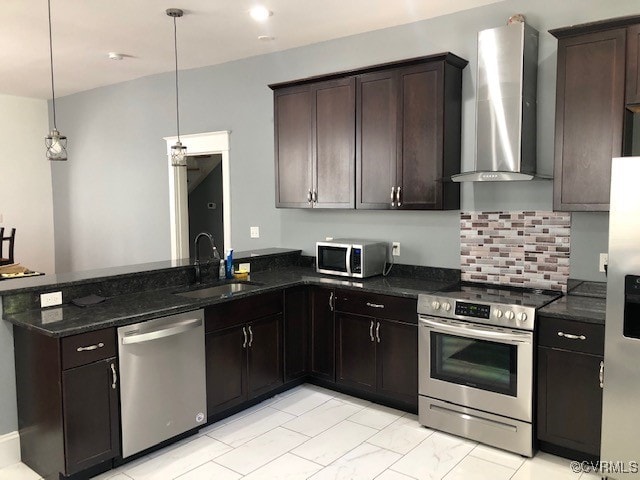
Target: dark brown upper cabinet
point(633, 66)
point(314, 127)
point(380, 137)
point(596, 77)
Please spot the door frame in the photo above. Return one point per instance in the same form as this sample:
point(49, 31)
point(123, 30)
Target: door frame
point(207, 143)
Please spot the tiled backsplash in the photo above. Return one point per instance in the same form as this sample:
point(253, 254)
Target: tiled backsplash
point(526, 249)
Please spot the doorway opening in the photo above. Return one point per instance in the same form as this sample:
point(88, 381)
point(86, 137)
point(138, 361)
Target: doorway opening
point(213, 145)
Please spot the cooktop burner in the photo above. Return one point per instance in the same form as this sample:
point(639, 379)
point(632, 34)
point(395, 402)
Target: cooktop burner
point(501, 295)
point(489, 304)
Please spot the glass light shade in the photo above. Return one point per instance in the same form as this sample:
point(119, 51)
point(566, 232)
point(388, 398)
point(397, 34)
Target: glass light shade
point(56, 145)
point(179, 155)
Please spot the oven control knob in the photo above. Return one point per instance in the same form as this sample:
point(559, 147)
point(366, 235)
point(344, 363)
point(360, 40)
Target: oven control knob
point(435, 305)
point(509, 315)
point(497, 313)
point(521, 317)
point(446, 306)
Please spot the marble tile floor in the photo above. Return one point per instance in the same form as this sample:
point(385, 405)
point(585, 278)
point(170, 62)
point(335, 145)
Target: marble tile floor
point(312, 433)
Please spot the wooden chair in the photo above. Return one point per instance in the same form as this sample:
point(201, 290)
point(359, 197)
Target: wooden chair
point(11, 241)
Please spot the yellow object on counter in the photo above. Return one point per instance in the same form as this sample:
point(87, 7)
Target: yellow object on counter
point(241, 275)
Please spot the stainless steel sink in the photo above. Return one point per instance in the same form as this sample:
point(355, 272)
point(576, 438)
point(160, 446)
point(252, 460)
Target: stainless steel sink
point(225, 290)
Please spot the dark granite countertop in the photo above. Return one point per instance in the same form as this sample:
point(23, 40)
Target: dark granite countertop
point(586, 302)
point(136, 307)
point(90, 276)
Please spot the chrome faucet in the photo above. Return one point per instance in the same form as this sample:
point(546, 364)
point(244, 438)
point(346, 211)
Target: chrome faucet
point(196, 252)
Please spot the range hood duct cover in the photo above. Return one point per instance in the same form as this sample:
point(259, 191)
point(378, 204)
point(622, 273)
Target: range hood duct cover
point(506, 104)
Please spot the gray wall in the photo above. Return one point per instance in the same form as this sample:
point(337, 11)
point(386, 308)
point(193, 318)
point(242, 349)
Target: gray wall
point(204, 219)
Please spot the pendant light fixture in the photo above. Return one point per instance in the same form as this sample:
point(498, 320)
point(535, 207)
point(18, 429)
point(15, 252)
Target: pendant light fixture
point(55, 142)
point(178, 151)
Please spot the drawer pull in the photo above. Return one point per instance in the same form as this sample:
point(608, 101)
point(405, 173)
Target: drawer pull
point(375, 305)
point(114, 376)
point(601, 375)
point(571, 336)
point(90, 347)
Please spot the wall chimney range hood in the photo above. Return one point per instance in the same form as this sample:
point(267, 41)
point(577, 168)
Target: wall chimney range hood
point(506, 104)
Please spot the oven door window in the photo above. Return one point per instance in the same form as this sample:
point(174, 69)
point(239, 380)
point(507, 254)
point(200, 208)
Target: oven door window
point(482, 364)
point(332, 258)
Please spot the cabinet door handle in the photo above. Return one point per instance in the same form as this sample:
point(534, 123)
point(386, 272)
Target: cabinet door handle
point(375, 305)
point(250, 335)
point(371, 331)
point(393, 196)
point(601, 375)
point(244, 332)
point(314, 197)
point(378, 332)
point(309, 197)
point(332, 301)
point(398, 196)
point(90, 347)
point(571, 336)
point(114, 376)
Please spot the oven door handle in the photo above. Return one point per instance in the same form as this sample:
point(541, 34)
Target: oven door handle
point(463, 330)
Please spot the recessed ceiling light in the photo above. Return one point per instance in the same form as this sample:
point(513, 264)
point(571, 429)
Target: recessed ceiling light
point(260, 13)
point(116, 56)
point(266, 38)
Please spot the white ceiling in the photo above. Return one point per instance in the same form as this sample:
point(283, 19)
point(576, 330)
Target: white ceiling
point(211, 32)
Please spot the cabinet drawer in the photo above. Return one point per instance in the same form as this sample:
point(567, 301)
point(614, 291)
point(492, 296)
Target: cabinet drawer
point(376, 305)
point(88, 347)
point(571, 335)
point(237, 312)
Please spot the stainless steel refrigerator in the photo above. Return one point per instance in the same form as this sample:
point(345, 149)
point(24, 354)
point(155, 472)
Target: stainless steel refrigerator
point(620, 450)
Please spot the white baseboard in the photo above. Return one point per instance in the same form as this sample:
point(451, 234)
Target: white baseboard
point(9, 449)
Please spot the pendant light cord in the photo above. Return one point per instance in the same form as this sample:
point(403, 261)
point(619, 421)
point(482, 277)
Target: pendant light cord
point(53, 91)
point(175, 47)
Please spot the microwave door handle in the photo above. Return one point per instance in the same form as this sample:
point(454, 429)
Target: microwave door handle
point(348, 259)
point(470, 332)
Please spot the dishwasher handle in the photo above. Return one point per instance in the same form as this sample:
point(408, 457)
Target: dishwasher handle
point(173, 329)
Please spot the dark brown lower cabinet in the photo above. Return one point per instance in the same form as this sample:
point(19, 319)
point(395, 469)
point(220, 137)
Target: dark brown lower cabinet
point(397, 361)
point(90, 397)
point(264, 355)
point(374, 354)
point(68, 401)
point(296, 339)
point(322, 334)
point(226, 369)
point(569, 388)
point(243, 362)
point(355, 351)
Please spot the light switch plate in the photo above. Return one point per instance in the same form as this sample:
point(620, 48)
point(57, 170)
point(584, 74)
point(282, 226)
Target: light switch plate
point(604, 260)
point(255, 232)
point(50, 299)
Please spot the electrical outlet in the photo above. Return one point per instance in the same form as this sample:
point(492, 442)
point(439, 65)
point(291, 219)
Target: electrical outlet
point(395, 250)
point(255, 232)
point(328, 239)
point(244, 267)
point(50, 299)
point(604, 260)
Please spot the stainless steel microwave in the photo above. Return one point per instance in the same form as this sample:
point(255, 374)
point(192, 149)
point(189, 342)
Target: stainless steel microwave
point(351, 258)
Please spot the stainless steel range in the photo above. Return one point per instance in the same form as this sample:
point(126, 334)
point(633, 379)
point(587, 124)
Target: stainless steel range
point(475, 349)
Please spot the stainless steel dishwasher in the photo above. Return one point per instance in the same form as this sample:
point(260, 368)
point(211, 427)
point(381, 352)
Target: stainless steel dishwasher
point(162, 379)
